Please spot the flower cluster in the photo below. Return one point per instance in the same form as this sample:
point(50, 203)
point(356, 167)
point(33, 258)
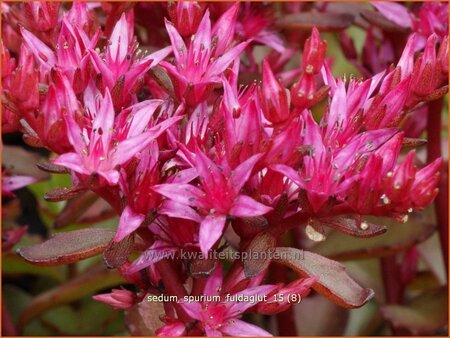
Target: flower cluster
point(198, 146)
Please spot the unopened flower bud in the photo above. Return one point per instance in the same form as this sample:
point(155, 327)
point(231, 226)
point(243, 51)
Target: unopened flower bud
point(118, 298)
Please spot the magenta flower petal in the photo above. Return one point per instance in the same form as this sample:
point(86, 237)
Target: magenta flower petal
point(202, 39)
point(245, 206)
point(225, 60)
point(102, 68)
point(126, 149)
point(104, 120)
point(242, 173)
point(210, 332)
point(73, 161)
point(185, 176)
point(406, 62)
point(159, 250)
point(75, 135)
point(193, 309)
point(182, 193)
point(40, 50)
point(129, 222)
point(236, 308)
point(158, 56)
point(395, 12)
point(214, 282)
point(111, 176)
point(288, 172)
point(211, 229)
point(175, 209)
point(120, 39)
point(175, 329)
point(140, 116)
point(179, 48)
point(224, 29)
point(10, 183)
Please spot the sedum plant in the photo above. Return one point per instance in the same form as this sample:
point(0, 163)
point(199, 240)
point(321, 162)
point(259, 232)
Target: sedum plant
point(230, 150)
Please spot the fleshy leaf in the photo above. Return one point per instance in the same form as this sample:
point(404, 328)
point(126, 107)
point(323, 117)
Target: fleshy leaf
point(399, 237)
point(333, 280)
point(413, 142)
point(351, 226)
point(68, 247)
point(52, 168)
point(63, 194)
point(263, 244)
point(116, 253)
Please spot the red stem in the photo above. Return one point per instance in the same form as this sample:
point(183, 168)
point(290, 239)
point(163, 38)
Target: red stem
point(285, 320)
point(434, 151)
point(393, 287)
point(111, 196)
point(8, 328)
point(198, 286)
point(173, 286)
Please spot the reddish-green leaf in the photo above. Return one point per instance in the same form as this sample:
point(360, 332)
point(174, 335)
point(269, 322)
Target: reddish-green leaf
point(258, 254)
point(413, 142)
point(399, 237)
point(63, 194)
point(52, 168)
point(333, 280)
point(350, 226)
point(163, 79)
point(68, 247)
point(116, 253)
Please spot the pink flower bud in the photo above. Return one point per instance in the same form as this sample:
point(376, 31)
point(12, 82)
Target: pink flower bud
point(8, 63)
point(24, 82)
point(118, 298)
point(274, 98)
point(304, 93)
point(41, 15)
point(314, 53)
point(424, 188)
point(443, 55)
point(426, 71)
point(186, 15)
